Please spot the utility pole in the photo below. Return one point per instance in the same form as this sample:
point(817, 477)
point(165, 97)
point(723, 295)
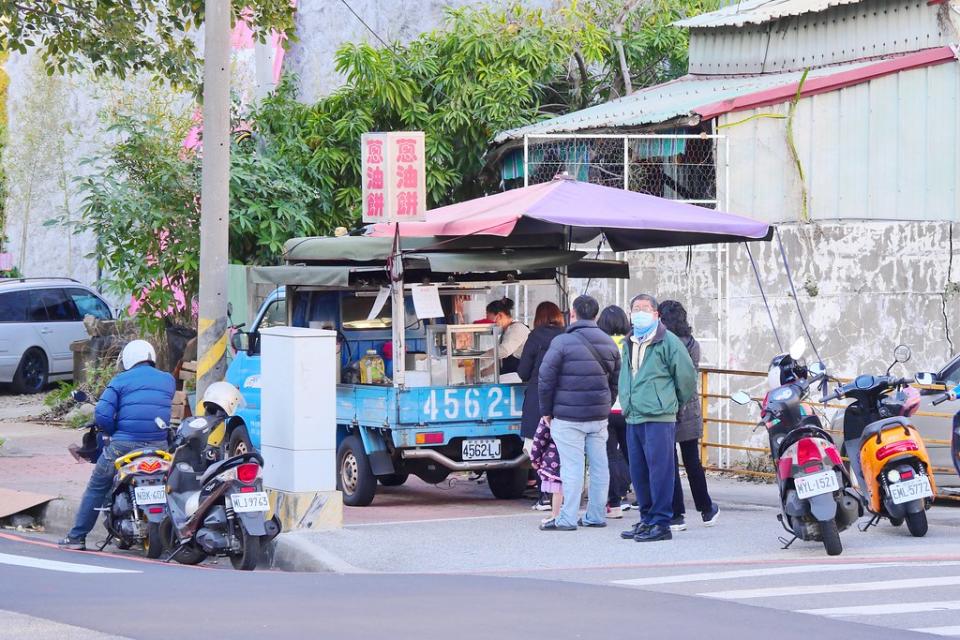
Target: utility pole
point(214, 196)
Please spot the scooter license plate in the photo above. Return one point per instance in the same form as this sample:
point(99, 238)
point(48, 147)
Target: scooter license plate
point(477, 449)
point(154, 494)
point(247, 502)
point(910, 490)
point(816, 484)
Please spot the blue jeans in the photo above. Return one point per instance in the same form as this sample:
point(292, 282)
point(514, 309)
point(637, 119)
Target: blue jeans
point(651, 448)
point(573, 440)
point(100, 483)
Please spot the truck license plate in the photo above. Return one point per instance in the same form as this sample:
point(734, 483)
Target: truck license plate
point(153, 494)
point(247, 502)
point(815, 484)
point(485, 449)
point(910, 490)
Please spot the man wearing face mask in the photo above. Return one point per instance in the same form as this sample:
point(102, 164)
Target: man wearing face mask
point(656, 379)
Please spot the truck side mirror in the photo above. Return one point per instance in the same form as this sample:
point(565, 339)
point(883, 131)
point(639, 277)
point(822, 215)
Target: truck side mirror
point(240, 341)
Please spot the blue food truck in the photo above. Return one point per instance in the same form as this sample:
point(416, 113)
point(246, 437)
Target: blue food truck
point(442, 405)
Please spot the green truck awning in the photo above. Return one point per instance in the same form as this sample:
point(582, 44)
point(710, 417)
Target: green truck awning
point(303, 276)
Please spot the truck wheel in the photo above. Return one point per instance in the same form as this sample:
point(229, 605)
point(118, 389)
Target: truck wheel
point(32, 374)
point(917, 524)
point(240, 442)
point(831, 538)
point(507, 484)
point(394, 479)
point(354, 476)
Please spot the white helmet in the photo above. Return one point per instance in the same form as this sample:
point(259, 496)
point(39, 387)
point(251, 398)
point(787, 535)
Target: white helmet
point(224, 395)
point(136, 352)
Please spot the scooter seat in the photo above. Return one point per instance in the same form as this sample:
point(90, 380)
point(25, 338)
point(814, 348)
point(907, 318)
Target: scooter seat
point(212, 470)
point(875, 428)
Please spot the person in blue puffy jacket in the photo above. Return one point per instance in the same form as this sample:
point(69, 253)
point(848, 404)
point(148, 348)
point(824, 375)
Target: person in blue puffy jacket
point(127, 412)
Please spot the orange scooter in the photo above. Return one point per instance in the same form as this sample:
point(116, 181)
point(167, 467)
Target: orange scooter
point(886, 451)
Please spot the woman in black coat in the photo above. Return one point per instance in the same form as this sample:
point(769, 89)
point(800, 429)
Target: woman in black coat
point(547, 325)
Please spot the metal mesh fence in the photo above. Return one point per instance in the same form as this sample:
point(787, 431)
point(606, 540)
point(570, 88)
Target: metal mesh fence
point(678, 167)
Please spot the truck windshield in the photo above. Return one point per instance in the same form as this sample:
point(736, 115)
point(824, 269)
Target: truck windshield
point(355, 311)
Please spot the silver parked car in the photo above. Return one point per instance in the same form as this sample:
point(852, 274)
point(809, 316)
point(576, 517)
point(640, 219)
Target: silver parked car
point(39, 318)
point(940, 428)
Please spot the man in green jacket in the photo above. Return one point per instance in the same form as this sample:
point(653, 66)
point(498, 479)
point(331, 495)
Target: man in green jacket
point(656, 379)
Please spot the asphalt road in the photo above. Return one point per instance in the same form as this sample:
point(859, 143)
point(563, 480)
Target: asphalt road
point(49, 593)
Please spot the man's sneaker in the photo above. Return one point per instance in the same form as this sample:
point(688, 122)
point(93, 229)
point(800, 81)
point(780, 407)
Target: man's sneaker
point(551, 525)
point(678, 524)
point(626, 506)
point(710, 517)
point(75, 545)
point(634, 531)
point(543, 504)
point(655, 533)
point(614, 513)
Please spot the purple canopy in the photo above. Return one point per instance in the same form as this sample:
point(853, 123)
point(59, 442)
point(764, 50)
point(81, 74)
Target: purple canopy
point(628, 219)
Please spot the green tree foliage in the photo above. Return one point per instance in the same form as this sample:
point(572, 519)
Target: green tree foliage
point(484, 72)
point(121, 37)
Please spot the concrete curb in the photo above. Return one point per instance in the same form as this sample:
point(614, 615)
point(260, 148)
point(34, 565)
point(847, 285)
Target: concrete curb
point(293, 552)
point(57, 515)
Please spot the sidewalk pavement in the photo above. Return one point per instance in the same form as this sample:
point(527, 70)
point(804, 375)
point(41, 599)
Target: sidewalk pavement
point(458, 527)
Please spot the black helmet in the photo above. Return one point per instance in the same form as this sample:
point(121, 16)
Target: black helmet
point(90, 448)
point(784, 370)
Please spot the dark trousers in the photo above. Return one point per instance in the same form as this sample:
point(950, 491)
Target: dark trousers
point(651, 447)
point(696, 478)
point(617, 459)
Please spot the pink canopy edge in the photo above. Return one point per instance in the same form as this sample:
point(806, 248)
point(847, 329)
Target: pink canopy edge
point(576, 204)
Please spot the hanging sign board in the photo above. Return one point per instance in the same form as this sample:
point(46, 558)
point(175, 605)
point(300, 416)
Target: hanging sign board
point(393, 176)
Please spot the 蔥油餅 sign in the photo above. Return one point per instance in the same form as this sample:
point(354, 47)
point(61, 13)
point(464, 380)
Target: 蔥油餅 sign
point(393, 175)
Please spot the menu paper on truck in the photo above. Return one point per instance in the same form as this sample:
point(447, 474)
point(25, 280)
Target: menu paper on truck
point(393, 176)
point(426, 301)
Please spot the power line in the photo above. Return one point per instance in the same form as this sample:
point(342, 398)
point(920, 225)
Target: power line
point(364, 23)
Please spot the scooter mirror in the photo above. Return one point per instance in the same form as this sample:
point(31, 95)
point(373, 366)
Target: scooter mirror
point(926, 378)
point(741, 398)
point(160, 423)
point(79, 396)
point(902, 353)
point(817, 368)
point(798, 348)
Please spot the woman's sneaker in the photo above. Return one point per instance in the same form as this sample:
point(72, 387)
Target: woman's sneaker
point(543, 504)
point(678, 524)
point(614, 513)
point(710, 517)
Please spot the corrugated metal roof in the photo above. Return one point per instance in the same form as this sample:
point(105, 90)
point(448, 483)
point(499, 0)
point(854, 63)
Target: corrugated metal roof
point(665, 102)
point(759, 12)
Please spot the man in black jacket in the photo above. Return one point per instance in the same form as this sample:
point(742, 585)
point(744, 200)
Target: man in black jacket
point(578, 383)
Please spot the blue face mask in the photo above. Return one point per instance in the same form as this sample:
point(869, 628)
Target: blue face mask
point(643, 322)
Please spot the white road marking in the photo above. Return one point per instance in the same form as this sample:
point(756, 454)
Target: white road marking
point(885, 609)
point(940, 631)
point(803, 590)
point(752, 573)
point(54, 565)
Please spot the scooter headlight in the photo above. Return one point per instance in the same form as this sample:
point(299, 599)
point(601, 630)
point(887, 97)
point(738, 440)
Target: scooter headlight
point(893, 475)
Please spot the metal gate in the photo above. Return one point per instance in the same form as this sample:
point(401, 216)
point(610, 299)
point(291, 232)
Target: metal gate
point(684, 167)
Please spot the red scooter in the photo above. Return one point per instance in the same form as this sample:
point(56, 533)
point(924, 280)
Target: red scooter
point(818, 498)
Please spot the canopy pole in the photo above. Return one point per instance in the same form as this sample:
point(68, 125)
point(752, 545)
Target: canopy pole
point(398, 315)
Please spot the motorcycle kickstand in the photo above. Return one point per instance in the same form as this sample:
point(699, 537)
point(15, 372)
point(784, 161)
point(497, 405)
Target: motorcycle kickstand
point(106, 542)
point(173, 554)
point(786, 543)
point(874, 521)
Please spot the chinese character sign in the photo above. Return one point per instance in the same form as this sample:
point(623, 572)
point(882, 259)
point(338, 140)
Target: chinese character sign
point(394, 179)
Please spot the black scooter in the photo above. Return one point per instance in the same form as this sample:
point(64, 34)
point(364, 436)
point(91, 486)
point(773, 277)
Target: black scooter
point(215, 509)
